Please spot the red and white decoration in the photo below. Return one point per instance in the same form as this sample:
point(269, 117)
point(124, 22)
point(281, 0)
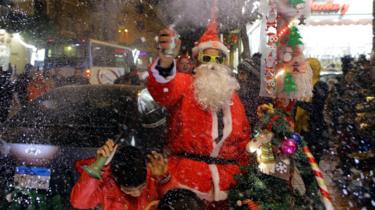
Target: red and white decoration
point(269, 40)
point(279, 58)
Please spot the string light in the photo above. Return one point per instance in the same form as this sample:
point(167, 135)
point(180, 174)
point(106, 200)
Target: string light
point(280, 73)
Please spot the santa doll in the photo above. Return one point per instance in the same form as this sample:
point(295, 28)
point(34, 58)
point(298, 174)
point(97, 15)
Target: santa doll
point(208, 128)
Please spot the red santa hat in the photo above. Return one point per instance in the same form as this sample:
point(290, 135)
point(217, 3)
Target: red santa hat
point(183, 56)
point(210, 38)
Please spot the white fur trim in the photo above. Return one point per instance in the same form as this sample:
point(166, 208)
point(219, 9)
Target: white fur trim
point(226, 132)
point(210, 44)
point(215, 129)
point(144, 75)
point(160, 78)
point(218, 194)
point(227, 122)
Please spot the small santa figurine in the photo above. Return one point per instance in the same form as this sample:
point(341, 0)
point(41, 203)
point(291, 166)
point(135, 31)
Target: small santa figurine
point(208, 127)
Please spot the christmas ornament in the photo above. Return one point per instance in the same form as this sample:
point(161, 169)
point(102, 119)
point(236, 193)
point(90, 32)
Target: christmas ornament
point(294, 37)
point(266, 159)
point(271, 18)
point(262, 145)
point(296, 67)
point(250, 204)
point(287, 57)
point(281, 167)
point(256, 143)
point(326, 197)
point(289, 147)
point(296, 3)
point(279, 19)
point(302, 20)
point(269, 63)
point(289, 84)
point(256, 133)
point(269, 40)
point(296, 137)
point(272, 39)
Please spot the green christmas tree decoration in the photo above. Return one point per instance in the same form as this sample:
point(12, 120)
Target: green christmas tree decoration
point(269, 191)
point(273, 193)
point(294, 3)
point(294, 37)
point(289, 83)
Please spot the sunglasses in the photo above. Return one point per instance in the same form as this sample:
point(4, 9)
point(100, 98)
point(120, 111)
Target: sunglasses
point(203, 58)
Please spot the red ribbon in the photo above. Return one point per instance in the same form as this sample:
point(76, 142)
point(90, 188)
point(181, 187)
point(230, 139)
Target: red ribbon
point(325, 194)
point(318, 174)
point(273, 119)
point(312, 160)
point(277, 117)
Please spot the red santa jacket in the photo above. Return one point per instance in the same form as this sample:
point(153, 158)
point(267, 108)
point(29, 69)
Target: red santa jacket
point(193, 130)
point(89, 192)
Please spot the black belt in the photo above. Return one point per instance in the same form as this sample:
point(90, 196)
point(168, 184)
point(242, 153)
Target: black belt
point(207, 159)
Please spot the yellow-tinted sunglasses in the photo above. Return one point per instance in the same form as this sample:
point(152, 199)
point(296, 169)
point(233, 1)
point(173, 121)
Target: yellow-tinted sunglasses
point(203, 58)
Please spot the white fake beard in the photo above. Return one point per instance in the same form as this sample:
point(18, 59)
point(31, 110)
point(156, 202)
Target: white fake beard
point(214, 86)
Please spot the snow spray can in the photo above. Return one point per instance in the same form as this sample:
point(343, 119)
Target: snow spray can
point(95, 169)
point(170, 51)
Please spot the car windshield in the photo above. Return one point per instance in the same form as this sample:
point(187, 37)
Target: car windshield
point(73, 112)
point(187, 104)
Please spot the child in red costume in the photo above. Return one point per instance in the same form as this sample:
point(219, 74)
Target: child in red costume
point(126, 184)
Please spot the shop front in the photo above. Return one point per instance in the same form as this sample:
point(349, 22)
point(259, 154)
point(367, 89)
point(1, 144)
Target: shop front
point(335, 28)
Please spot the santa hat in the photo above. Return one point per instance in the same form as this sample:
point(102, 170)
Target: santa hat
point(210, 38)
point(183, 56)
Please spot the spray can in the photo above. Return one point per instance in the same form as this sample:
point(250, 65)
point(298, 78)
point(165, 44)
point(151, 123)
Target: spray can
point(170, 51)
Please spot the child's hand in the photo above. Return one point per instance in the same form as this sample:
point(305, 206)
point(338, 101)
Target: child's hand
point(157, 164)
point(108, 150)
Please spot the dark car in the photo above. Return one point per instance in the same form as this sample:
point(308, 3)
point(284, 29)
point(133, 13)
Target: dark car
point(325, 76)
point(40, 144)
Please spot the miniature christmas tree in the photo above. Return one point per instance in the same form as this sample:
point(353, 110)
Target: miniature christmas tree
point(294, 37)
point(294, 3)
point(289, 83)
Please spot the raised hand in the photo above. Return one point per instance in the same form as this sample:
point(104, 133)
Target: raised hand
point(108, 150)
point(166, 37)
point(158, 164)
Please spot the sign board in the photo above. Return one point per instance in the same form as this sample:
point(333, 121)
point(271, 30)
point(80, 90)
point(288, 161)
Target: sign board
point(329, 7)
point(105, 75)
point(32, 177)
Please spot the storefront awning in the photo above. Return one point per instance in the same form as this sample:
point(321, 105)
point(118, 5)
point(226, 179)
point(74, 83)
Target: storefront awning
point(333, 22)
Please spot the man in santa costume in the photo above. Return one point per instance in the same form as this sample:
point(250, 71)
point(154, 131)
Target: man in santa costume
point(208, 128)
